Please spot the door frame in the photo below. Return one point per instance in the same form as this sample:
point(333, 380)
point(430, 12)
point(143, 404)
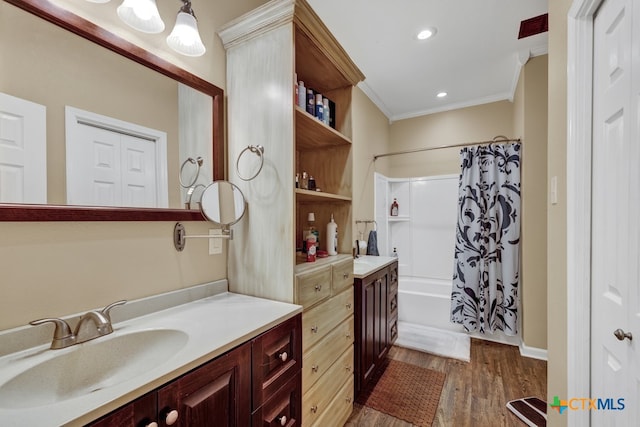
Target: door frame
point(580, 40)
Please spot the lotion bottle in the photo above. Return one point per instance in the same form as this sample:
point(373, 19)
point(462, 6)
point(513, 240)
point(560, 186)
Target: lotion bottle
point(332, 237)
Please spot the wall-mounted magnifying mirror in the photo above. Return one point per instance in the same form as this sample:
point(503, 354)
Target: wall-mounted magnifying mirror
point(221, 203)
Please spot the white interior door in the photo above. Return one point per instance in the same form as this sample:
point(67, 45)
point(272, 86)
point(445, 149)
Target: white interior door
point(114, 163)
point(23, 151)
point(615, 202)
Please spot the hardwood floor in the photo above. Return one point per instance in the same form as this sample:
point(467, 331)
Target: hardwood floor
point(474, 393)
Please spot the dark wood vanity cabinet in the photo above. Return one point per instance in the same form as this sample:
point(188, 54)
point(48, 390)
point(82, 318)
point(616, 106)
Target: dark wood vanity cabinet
point(258, 383)
point(376, 319)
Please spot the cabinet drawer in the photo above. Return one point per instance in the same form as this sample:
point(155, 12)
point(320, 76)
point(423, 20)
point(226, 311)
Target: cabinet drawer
point(342, 276)
point(276, 358)
point(339, 409)
point(282, 409)
point(316, 401)
point(320, 320)
point(313, 287)
point(393, 330)
point(393, 304)
point(316, 361)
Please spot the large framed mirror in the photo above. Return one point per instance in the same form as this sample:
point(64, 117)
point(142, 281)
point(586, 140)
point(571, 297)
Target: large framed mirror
point(56, 206)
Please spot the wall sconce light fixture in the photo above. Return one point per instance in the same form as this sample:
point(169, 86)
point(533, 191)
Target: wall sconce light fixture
point(143, 15)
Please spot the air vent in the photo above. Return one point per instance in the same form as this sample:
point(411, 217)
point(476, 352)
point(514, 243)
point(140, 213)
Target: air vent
point(532, 26)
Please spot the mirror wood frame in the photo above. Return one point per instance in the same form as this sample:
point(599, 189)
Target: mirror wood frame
point(84, 28)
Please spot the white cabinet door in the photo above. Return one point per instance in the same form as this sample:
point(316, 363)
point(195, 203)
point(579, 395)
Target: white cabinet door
point(23, 151)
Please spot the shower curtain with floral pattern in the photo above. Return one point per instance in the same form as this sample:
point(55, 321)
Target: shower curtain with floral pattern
point(487, 253)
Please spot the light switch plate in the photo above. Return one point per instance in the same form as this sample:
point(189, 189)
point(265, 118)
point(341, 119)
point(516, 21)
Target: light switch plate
point(215, 244)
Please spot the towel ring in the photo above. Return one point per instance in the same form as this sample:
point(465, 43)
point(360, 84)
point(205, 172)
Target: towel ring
point(198, 162)
point(259, 150)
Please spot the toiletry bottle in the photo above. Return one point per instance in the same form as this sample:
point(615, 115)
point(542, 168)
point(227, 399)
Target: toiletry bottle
point(325, 111)
point(302, 95)
point(311, 217)
point(305, 181)
point(312, 183)
point(311, 246)
point(297, 180)
point(311, 102)
point(332, 237)
point(395, 253)
point(319, 107)
point(394, 208)
point(295, 89)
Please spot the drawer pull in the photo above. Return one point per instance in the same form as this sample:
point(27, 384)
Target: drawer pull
point(348, 335)
point(283, 356)
point(314, 329)
point(282, 420)
point(348, 306)
point(171, 417)
point(348, 399)
point(314, 409)
point(345, 276)
point(314, 368)
point(318, 288)
point(348, 368)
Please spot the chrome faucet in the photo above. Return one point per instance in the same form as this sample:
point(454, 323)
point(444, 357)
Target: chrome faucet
point(92, 324)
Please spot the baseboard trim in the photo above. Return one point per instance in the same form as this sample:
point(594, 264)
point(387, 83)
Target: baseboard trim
point(533, 352)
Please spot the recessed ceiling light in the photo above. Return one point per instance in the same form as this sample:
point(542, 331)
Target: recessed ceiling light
point(427, 33)
point(441, 94)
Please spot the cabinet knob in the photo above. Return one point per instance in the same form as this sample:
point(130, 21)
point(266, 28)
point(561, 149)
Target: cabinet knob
point(314, 368)
point(349, 306)
point(314, 409)
point(318, 288)
point(348, 399)
point(314, 329)
point(345, 275)
point(283, 356)
point(282, 420)
point(171, 417)
point(348, 368)
point(348, 335)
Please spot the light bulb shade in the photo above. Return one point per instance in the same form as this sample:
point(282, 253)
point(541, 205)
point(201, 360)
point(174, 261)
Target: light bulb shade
point(142, 15)
point(185, 38)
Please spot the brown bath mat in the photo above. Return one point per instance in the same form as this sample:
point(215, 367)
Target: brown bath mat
point(405, 391)
point(531, 410)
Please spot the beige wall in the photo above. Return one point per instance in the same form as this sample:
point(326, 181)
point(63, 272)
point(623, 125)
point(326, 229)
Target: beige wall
point(557, 214)
point(370, 136)
point(54, 269)
point(534, 203)
point(479, 123)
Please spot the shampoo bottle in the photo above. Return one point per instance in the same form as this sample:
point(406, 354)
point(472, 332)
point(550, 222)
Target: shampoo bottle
point(394, 208)
point(332, 237)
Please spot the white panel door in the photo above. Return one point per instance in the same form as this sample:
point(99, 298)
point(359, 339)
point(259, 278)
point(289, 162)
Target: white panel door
point(615, 203)
point(107, 168)
point(23, 151)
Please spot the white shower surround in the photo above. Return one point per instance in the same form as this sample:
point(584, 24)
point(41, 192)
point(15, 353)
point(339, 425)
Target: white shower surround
point(424, 234)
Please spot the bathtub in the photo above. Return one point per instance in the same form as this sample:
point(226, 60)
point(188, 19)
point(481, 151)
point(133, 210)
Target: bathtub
point(425, 302)
point(423, 319)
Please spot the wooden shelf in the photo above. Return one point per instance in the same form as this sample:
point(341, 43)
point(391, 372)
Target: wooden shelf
point(312, 134)
point(319, 196)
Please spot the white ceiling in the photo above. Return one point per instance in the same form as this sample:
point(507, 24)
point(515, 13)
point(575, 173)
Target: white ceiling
point(475, 56)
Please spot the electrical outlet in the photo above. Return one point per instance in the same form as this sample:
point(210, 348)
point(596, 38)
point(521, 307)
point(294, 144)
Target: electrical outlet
point(215, 244)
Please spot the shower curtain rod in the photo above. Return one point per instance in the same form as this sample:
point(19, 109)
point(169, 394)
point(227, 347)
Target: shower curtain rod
point(464, 144)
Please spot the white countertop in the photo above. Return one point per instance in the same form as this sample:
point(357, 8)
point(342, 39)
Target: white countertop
point(214, 325)
point(364, 265)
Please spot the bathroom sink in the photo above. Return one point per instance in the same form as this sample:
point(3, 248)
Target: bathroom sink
point(95, 365)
